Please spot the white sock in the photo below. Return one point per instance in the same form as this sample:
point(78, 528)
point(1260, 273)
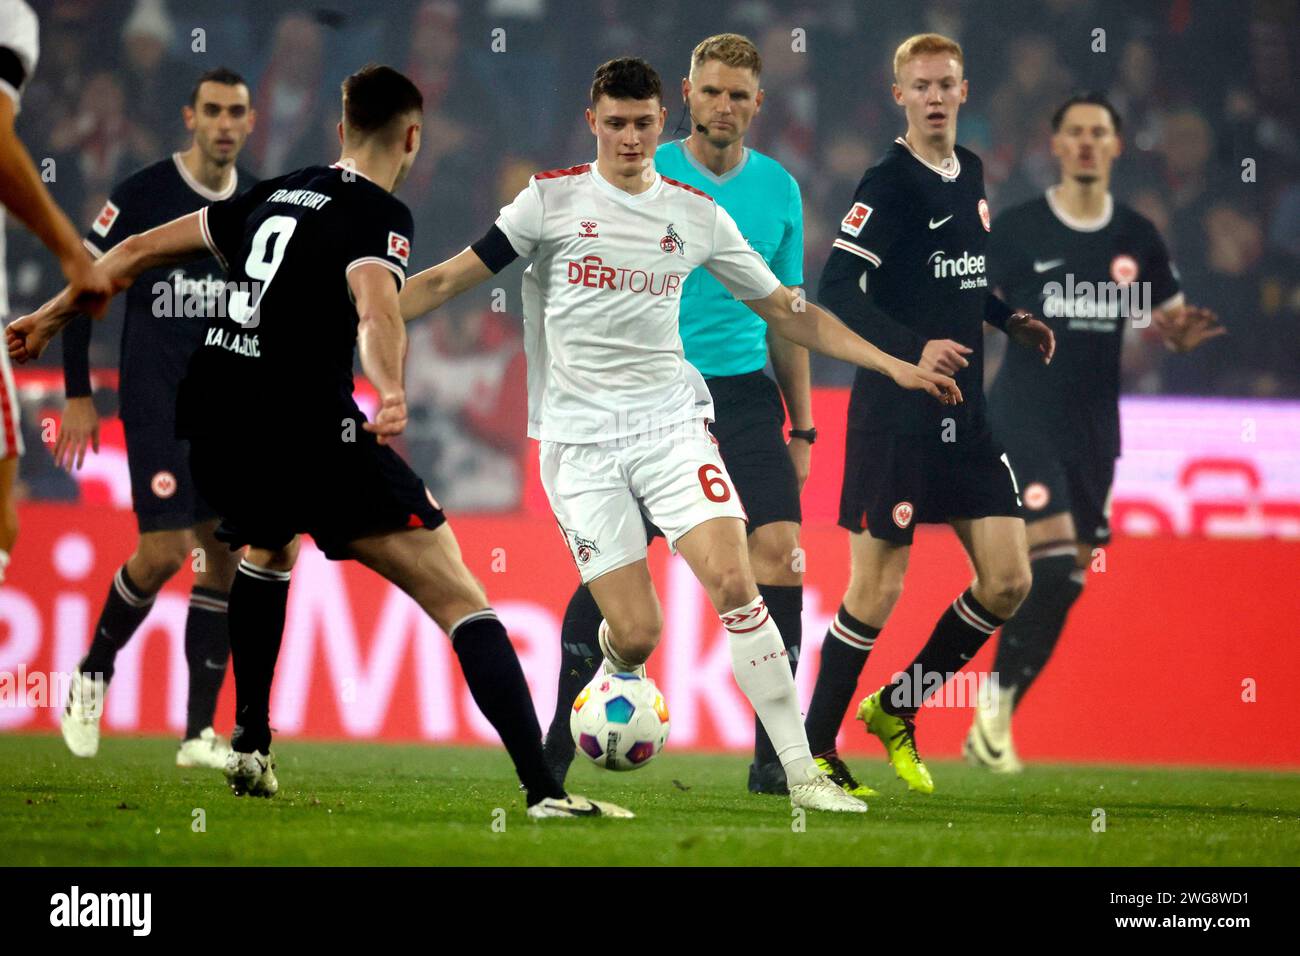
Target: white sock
point(762, 669)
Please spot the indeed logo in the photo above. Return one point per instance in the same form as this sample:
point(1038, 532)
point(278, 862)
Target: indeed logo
point(965, 265)
point(591, 272)
point(103, 909)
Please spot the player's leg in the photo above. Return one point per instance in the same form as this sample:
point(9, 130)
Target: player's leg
point(157, 557)
point(775, 558)
point(8, 511)
point(259, 598)
point(11, 449)
point(207, 646)
point(877, 569)
point(427, 565)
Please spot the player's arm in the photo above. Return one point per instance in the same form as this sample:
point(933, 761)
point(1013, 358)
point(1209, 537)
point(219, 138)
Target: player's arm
point(1020, 326)
point(790, 361)
point(790, 315)
point(428, 290)
point(23, 194)
point(515, 233)
point(180, 240)
point(381, 341)
point(1184, 326)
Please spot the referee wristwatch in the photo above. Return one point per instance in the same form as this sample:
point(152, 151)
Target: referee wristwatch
point(807, 434)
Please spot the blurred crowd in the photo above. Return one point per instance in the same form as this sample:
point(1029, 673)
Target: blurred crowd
point(1212, 149)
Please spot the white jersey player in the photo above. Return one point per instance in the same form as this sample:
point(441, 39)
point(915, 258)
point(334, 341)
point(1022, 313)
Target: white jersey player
point(22, 192)
point(621, 416)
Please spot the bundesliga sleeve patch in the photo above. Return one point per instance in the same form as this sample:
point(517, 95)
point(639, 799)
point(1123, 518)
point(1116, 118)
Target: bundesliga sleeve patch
point(856, 219)
point(399, 247)
point(107, 216)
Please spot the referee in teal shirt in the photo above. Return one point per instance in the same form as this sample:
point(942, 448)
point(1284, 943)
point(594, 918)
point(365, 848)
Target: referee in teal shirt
point(730, 346)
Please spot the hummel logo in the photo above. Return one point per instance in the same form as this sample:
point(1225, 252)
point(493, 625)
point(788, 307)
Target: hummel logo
point(1040, 266)
point(936, 225)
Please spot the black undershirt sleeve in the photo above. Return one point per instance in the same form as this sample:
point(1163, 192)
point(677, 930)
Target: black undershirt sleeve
point(840, 293)
point(76, 358)
point(495, 250)
point(996, 312)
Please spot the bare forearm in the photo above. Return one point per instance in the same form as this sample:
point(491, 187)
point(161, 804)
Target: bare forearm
point(381, 340)
point(430, 289)
point(819, 331)
point(790, 363)
point(23, 194)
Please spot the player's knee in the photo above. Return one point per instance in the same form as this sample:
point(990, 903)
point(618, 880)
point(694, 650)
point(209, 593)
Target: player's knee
point(1009, 590)
point(637, 641)
point(775, 557)
point(731, 586)
point(873, 601)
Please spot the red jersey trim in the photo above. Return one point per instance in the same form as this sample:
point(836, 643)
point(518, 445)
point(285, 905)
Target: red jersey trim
point(689, 189)
point(557, 173)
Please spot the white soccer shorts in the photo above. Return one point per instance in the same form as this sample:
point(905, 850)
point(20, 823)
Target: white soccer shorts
point(599, 491)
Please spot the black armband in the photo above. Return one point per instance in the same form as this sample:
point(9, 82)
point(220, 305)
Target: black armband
point(495, 250)
point(11, 68)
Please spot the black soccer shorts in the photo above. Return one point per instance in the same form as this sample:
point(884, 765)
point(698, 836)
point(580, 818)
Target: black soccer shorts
point(1079, 485)
point(749, 418)
point(163, 493)
point(892, 482)
point(336, 491)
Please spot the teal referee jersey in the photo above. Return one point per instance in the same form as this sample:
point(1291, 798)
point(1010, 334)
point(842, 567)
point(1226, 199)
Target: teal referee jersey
point(720, 335)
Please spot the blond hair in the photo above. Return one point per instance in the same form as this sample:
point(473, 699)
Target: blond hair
point(923, 44)
point(731, 49)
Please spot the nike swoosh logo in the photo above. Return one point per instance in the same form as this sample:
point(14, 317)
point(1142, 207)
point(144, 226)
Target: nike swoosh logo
point(936, 225)
point(1047, 266)
point(211, 666)
point(993, 751)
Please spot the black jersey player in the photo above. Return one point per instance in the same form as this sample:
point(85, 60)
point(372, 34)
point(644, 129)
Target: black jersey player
point(278, 445)
point(1093, 268)
point(917, 235)
point(163, 324)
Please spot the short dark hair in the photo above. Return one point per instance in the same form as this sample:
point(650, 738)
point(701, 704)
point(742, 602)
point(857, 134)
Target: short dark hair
point(223, 75)
point(376, 95)
point(1092, 98)
point(626, 78)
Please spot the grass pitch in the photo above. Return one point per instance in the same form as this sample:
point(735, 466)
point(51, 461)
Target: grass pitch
point(370, 804)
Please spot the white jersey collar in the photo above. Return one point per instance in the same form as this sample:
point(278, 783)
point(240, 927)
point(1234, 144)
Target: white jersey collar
point(619, 195)
point(212, 195)
point(1095, 224)
point(951, 170)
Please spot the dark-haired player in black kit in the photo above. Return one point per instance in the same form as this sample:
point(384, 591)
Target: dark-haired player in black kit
point(917, 233)
point(164, 322)
point(278, 445)
point(1091, 267)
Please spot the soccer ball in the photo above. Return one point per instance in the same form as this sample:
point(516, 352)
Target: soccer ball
point(620, 721)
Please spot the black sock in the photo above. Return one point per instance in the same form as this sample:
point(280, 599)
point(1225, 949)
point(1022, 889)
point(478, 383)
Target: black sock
point(785, 604)
point(1028, 639)
point(579, 660)
point(207, 649)
point(124, 610)
point(258, 599)
point(496, 682)
point(959, 634)
point(844, 653)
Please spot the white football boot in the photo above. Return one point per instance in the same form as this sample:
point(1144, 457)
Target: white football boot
point(819, 792)
point(80, 721)
point(252, 774)
point(208, 749)
point(602, 638)
point(577, 806)
point(988, 744)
